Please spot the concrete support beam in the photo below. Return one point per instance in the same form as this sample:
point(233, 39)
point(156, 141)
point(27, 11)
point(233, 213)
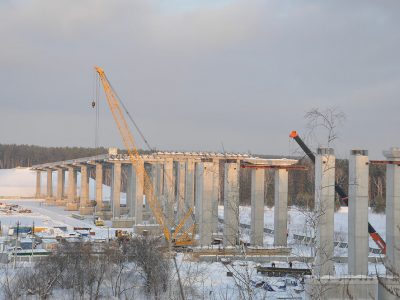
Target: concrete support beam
point(324, 209)
point(135, 192)
point(169, 195)
point(38, 184)
point(71, 199)
point(281, 207)
point(231, 204)
point(60, 184)
point(159, 180)
point(189, 183)
point(139, 191)
point(393, 210)
point(130, 190)
point(358, 212)
point(116, 189)
point(72, 184)
point(257, 207)
point(204, 196)
point(84, 197)
point(215, 196)
point(49, 184)
point(180, 192)
point(99, 187)
point(84, 204)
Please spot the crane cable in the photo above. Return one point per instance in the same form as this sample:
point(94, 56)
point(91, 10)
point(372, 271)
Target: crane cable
point(96, 104)
point(131, 119)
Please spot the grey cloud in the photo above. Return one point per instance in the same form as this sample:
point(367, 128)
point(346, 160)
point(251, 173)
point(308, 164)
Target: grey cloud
point(242, 72)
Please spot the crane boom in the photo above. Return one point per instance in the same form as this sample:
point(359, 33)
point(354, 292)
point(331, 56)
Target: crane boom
point(184, 238)
point(343, 197)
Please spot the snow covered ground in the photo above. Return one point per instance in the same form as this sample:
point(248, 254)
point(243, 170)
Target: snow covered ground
point(17, 182)
point(212, 277)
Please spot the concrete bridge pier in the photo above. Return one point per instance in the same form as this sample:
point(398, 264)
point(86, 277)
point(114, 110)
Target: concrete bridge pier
point(393, 210)
point(231, 204)
point(257, 207)
point(115, 199)
point(324, 201)
point(204, 195)
point(215, 195)
point(189, 183)
point(281, 207)
point(72, 203)
point(49, 195)
point(99, 187)
point(358, 212)
point(60, 201)
point(180, 189)
point(134, 193)
point(38, 184)
point(85, 207)
point(169, 192)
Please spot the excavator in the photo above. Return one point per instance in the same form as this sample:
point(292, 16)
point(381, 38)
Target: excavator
point(181, 234)
point(343, 197)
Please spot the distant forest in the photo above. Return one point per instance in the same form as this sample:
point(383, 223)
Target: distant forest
point(301, 183)
point(12, 156)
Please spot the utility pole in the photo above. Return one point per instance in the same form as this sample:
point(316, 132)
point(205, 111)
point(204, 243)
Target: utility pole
point(15, 247)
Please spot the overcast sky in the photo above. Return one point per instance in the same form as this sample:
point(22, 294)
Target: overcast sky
point(199, 74)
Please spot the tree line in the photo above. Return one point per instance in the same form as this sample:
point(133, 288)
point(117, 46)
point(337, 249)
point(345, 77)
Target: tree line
point(12, 155)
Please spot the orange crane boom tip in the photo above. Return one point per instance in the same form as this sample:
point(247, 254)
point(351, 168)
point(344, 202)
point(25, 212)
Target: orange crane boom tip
point(293, 134)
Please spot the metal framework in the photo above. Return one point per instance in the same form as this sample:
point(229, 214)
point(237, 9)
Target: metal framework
point(177, 237)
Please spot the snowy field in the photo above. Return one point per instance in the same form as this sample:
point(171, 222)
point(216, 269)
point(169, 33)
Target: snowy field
point(297, 223)
point(19, 182)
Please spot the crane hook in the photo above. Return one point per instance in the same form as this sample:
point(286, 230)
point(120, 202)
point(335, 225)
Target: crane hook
point(93, 104)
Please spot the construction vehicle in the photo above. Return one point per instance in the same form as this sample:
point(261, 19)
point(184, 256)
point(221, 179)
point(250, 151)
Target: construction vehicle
point(181, 234)
point(343, 197)
point(98, 221)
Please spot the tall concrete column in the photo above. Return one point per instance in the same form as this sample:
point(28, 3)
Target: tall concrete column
point(156, 175)
point(99, 186)
point(324, 201)
point(281, 207)
point(60, 184)
point(159, 180)
point(180, 192)
point(130, 190)
point(38, 183)
point(169, 195)
point(71, 199)
point(358, 212)
point(257, 207)
point(116, 189)
point(204, 196)
point(393, 210)
point(135, 191)
point(84, 205)
point(231, 204)
point(189, 183)
point(215, 196)
point(49, 184)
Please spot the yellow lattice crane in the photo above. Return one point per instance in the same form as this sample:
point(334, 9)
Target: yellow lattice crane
point(183, 233)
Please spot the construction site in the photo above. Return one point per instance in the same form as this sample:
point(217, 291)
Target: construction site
point(191, 201)
point(186, 150)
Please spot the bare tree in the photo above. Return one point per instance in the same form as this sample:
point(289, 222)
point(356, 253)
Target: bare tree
point(328, 120)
